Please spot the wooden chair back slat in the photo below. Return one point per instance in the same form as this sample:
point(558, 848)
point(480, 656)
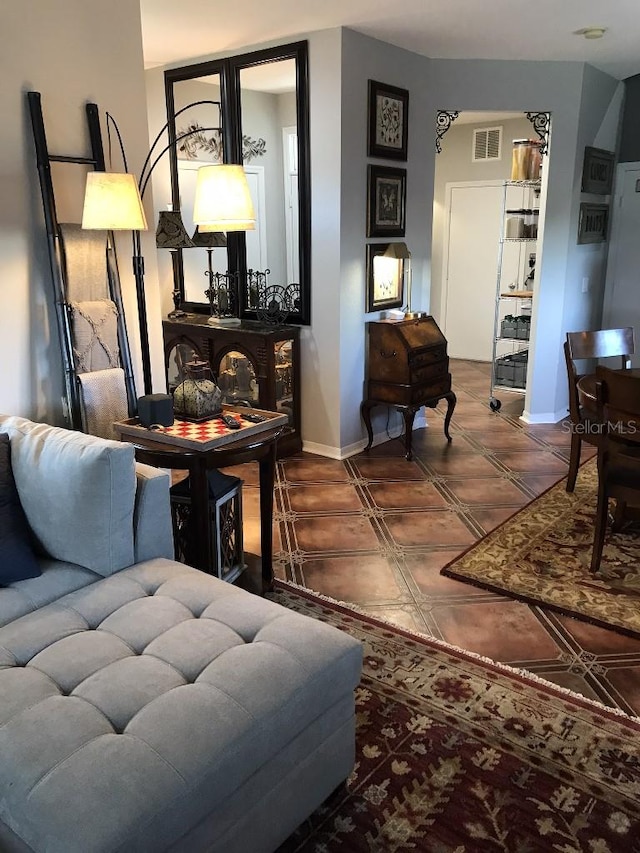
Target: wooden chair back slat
point(603, 343)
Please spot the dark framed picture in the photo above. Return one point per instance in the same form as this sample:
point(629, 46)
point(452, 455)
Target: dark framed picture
point(597, 171)
point(593, 223)
point(385, 279)
point(388, 121)
point(386, 201)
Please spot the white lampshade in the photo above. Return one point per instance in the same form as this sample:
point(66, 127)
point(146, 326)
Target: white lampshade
point(112, 202)
point(222, 199)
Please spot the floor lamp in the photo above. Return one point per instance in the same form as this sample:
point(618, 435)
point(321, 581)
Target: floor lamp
point(113, 202)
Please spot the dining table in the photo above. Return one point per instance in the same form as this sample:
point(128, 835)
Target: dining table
point(587, 390)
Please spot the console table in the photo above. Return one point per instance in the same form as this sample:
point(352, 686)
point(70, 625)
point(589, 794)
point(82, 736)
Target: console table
point(407, 368)
point(254, 364)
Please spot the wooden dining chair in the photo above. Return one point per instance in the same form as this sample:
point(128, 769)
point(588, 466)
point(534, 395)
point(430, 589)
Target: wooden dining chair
point(618, 401)
point(581, 347)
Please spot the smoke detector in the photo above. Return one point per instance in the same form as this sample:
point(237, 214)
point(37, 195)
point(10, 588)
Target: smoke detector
point(591, 32)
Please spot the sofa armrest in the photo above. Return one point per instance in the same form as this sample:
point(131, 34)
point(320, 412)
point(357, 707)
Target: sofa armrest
point(152, 528)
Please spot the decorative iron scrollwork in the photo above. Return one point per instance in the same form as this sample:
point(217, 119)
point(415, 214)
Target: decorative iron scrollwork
point(221, 293)
point(273, 303)
point(444, 120)
point(541, 124)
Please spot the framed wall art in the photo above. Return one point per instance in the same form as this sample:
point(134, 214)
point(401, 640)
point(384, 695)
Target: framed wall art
point(385, 279)
point(386, 201)
point(388, 121)
point(593, 223)
point(597, 171)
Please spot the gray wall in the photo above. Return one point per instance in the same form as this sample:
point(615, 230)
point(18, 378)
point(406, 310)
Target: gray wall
point(79, 51)
point(364, 58)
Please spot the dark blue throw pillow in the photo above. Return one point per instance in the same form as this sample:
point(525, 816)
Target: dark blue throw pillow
point(17, 559)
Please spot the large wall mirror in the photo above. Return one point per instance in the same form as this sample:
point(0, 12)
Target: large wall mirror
point(250, 109)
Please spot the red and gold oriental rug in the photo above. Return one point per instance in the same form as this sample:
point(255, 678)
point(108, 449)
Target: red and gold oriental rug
point(456, 754)
point(542, 555)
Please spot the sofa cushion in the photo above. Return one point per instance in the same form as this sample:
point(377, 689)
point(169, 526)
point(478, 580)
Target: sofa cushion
point(57, 579)
point(77, 492)
point(131, 706)
point(17, 560)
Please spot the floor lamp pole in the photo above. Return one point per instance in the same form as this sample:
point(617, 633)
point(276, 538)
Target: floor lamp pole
point(138, 272)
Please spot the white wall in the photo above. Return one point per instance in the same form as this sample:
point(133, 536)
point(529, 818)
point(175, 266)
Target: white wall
point(78, 51)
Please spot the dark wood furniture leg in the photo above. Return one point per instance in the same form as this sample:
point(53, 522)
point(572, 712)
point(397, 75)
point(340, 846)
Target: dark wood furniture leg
point(199, 486)
point(408, 413)
point(365, 414)
point(574, 460)
point(451, 404)
point(267, 466)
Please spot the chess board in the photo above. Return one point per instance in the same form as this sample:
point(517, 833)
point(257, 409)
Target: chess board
point(204, 435)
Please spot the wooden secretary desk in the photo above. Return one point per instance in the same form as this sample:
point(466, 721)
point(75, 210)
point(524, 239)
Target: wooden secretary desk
point(407, 367)
point(255, 364)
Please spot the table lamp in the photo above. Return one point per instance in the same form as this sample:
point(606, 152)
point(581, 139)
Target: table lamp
point(219, 291)
point(171, 234)
point(400, 252)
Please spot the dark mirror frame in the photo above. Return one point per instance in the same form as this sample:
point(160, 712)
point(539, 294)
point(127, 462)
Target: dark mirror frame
point(229, 70)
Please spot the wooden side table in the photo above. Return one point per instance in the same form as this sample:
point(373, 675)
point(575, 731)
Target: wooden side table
point(260, 448)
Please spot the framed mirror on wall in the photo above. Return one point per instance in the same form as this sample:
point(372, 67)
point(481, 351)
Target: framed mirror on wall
point(250, 109)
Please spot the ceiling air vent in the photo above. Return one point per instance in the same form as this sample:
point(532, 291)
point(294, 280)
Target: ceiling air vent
point(487, 144)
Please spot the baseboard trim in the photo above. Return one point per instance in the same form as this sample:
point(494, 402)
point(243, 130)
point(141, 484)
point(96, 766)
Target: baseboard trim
point(545, 417)
point(341, 453)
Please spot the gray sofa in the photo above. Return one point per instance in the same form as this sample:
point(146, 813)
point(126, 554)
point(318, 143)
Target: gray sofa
point(146, 706)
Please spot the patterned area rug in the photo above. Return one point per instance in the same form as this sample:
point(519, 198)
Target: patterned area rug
point(456, 754)
point(542, 555)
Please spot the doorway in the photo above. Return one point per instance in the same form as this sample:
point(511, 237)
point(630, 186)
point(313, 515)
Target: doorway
point(472, 262)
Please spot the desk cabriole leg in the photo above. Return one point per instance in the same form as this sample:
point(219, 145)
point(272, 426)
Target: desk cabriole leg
point(365, 414)
point(451, 404)
point(408, 413)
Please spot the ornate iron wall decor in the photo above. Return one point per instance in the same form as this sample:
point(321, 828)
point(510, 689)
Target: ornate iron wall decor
point(541, 124)
point(195, 140)
point(444, 120)
point(272, 303)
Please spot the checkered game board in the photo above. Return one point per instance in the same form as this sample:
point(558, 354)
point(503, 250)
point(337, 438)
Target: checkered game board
point(206, 435)
point(206, 430)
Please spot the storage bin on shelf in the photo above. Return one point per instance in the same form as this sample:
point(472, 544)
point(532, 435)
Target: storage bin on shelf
point(515, 328)
point(511, 370)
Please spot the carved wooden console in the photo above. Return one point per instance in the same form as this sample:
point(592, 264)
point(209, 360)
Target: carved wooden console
point(254, 364)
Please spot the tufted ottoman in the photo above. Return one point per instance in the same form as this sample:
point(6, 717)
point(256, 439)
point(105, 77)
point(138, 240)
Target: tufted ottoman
point(162, 709)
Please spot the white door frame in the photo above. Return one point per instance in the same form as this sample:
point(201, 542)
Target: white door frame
point(444, 283)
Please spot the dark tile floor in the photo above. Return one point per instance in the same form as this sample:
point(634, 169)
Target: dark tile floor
point(375, 530)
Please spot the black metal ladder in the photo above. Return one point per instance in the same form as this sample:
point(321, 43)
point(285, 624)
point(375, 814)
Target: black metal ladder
point(58, 263)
